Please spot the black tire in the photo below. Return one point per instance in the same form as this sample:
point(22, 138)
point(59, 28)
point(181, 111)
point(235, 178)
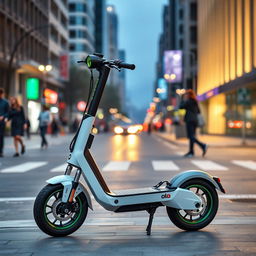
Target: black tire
point(45, 214)
point(196, 220)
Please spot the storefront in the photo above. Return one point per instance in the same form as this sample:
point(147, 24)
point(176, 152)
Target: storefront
point(226, 112)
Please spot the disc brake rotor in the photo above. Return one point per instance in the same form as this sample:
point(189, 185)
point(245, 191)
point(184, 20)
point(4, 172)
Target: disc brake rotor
point(200, 210)
point(58, 216)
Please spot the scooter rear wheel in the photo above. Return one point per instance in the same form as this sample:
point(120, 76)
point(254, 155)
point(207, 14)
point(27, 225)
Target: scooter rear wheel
point(56, 218)
point(191, 220)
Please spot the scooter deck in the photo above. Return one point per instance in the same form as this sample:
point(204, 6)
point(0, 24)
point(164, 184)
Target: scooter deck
point(139, 191)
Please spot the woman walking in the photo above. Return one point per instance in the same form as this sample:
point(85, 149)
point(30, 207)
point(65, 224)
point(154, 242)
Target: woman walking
point(44, 119)
point(17, 117)
point(190, 104)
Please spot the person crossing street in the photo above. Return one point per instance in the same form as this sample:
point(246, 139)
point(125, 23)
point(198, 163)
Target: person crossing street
point(4, 109)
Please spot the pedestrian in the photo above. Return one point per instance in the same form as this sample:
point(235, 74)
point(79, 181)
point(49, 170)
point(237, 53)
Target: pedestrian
point(28, 125)
point(17, 117)
point(44, 119)
point(54, 126)
point(190, 104)
point(4, 110)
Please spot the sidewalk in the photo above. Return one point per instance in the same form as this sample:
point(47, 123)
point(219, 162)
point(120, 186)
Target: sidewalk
point(212, 140)
point(35, 141)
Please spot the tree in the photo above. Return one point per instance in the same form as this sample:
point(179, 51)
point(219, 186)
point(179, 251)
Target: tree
point(78, 88)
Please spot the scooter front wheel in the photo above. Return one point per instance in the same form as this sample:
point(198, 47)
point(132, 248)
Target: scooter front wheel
point(192, 220)
point(56, 218)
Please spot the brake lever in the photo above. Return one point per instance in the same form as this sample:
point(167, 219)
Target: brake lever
point(117, 68)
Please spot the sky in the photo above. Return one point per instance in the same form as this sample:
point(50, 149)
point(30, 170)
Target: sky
point(140, 25)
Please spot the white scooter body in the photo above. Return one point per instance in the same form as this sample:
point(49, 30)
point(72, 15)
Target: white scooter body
point(112, 201)
point(123, 200)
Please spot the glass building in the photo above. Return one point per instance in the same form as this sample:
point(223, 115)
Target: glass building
point(227, 65)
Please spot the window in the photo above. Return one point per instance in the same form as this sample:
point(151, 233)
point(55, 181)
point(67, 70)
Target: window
point(181, 43)
point(181, 14)
point(193, 35)
point(77, 20)
point(72, 33)
point(78, 7)
point(181, 29)
point(193, 11)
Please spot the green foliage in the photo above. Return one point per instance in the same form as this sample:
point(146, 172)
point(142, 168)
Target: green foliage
point(78, 88)
point(110, 99)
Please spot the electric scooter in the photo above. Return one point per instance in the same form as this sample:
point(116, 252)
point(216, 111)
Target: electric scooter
point(61, 206)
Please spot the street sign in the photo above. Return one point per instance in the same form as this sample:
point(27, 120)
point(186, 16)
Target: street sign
point(243, 96)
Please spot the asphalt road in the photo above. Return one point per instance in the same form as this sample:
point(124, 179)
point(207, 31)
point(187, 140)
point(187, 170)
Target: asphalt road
point(129, 162)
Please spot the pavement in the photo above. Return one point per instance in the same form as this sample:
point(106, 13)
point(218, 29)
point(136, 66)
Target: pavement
point(128, 162)
point(211, 140)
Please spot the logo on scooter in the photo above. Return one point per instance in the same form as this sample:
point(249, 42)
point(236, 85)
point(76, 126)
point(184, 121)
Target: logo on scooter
point(165, 196)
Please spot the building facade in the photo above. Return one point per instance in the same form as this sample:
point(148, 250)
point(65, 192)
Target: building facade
point(227, 65)
point(100, 32)
point(179, 33)
point(81, 29)
point(33, 33)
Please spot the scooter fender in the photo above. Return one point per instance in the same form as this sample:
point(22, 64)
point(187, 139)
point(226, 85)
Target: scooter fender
point(66, 181)
point(182, 177)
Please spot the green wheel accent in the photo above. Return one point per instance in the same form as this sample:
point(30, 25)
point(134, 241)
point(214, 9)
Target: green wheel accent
point(208, 211)
point(54, 222)
point(66, 226)
point(204, 214)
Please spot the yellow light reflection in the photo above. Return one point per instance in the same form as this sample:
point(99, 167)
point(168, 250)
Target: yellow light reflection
point(125, 148)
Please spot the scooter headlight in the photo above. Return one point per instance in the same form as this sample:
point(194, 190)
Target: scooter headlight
point(93, 61)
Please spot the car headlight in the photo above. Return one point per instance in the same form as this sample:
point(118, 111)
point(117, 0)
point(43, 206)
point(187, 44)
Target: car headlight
point(118, 130)
point(132, 129)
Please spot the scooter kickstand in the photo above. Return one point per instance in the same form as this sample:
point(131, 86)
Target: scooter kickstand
point(151, 212)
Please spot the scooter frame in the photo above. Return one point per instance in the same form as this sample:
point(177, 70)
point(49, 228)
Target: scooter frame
point(123, 200)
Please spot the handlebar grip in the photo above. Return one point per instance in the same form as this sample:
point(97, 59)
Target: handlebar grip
point(80, 61)
point(126, 65)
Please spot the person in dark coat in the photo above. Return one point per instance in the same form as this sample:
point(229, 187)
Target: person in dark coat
point(4, 110)
point(190, 104)
point(17, 117)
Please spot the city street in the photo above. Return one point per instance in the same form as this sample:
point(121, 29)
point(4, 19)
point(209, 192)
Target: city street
point(129, 162)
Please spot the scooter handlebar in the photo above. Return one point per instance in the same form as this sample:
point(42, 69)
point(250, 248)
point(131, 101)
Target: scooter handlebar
point(126, 65)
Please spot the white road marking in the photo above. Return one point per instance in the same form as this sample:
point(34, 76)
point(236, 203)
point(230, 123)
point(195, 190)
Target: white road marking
point(116, 166)
point(60, 168)
point(246, 164)
point(165, 166)
point(234, 196)
point(209, 165)
point(23, 167)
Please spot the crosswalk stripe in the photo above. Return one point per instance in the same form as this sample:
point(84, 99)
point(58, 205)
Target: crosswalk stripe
point(25, 167)
point(165, 166)
point(60, 168)
point(247, 164)
point(116, 166)
point(209, 165)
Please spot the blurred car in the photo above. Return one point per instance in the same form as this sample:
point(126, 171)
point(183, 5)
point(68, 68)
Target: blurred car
point(125, 129)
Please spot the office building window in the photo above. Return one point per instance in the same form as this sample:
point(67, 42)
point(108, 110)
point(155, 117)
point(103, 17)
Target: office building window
point(181, 43)
point(77, 7)
point(181, 14)
point(181, 29)
point(77, 20)
point(193, 11)
point(193, 35)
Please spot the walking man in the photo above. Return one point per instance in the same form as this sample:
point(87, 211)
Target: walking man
point(4, 109)
point(44, 119)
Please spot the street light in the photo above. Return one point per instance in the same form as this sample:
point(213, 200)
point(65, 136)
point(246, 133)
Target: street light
point(44, 69)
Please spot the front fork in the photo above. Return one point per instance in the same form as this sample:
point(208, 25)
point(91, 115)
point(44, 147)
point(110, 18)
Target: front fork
point(75, 182)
